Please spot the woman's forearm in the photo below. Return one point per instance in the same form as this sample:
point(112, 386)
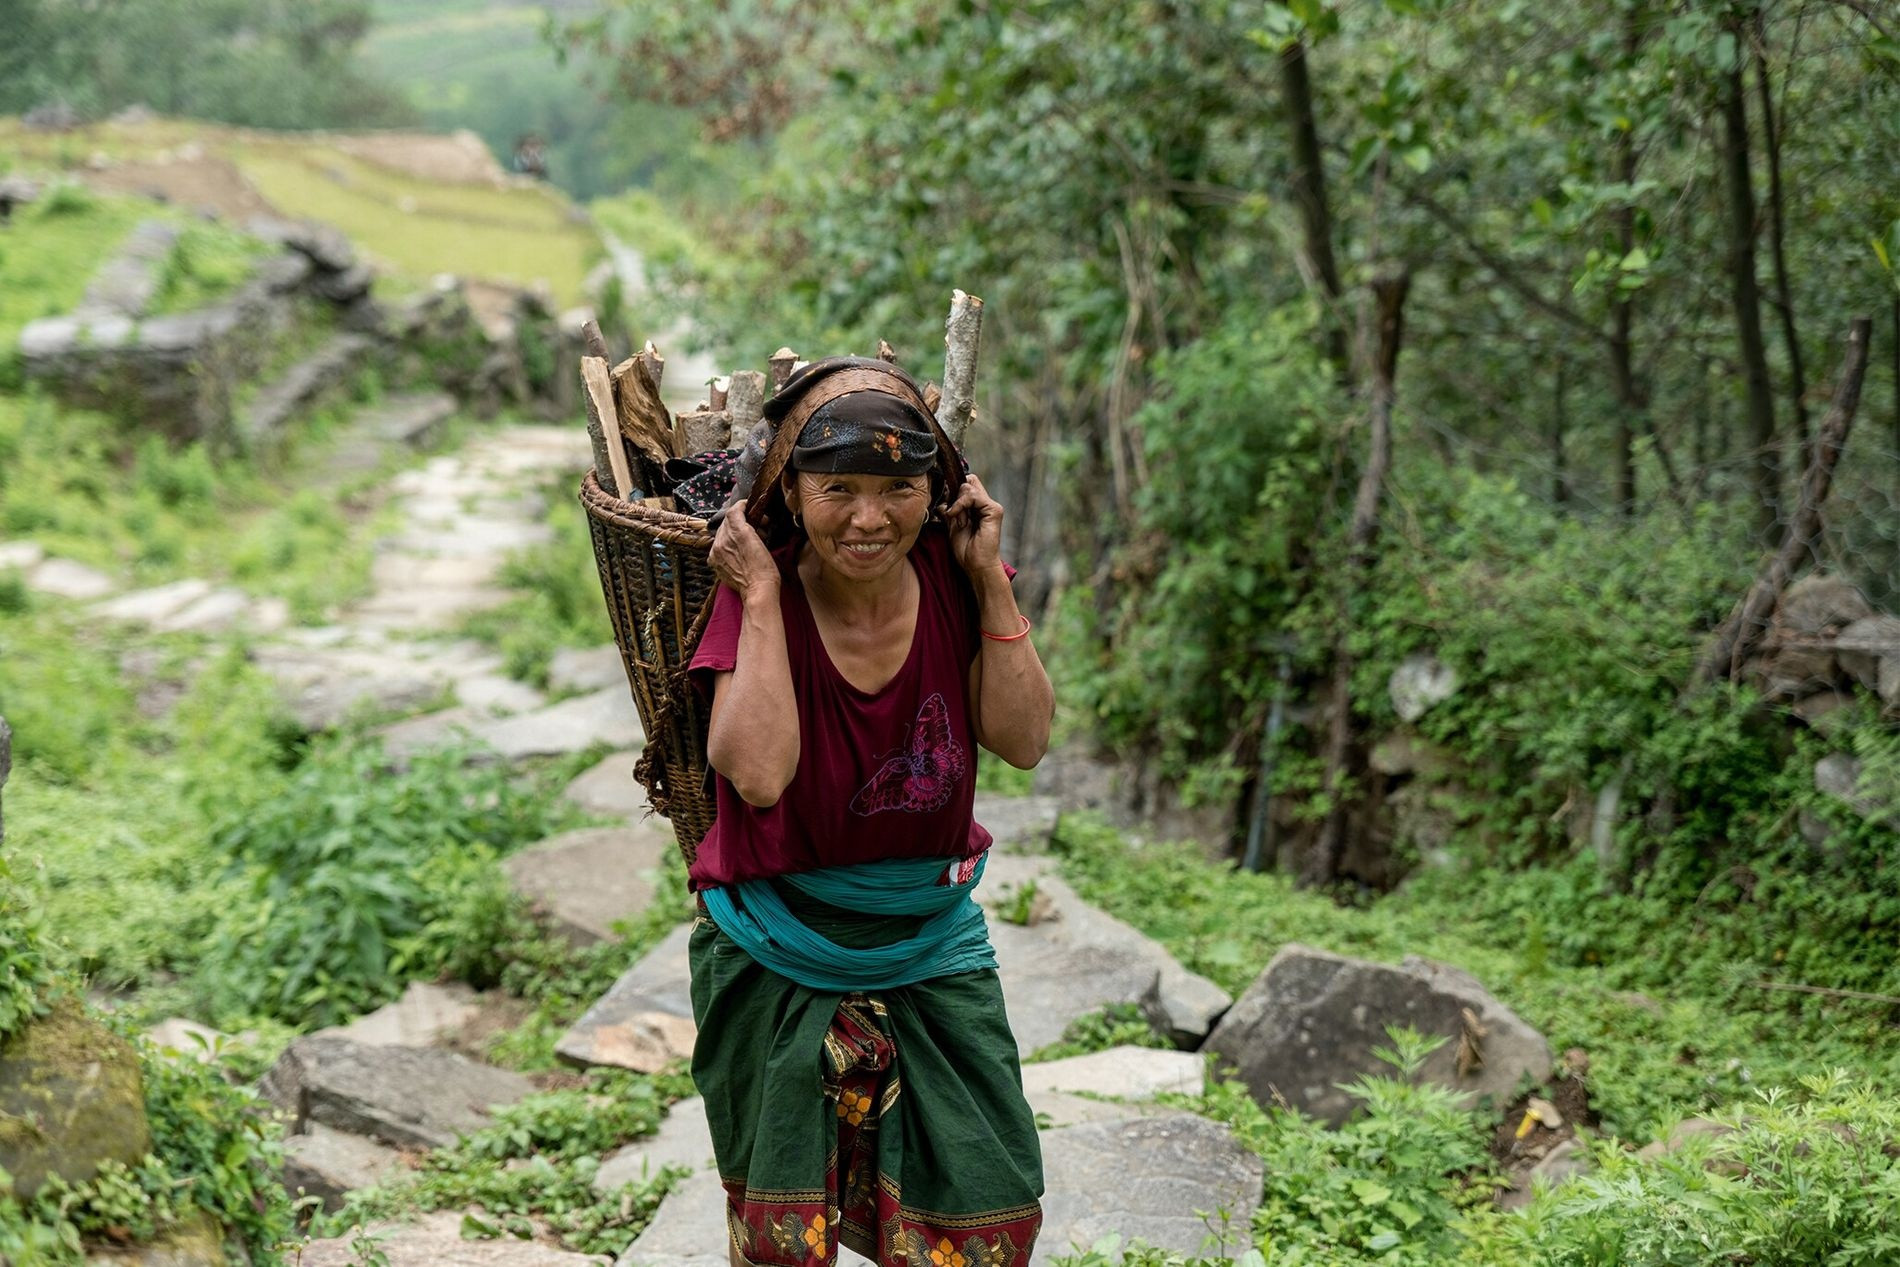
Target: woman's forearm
point(753, 737)
point(1015, 702)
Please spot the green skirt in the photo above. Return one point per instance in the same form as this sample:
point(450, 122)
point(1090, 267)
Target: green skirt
point(893, 1123)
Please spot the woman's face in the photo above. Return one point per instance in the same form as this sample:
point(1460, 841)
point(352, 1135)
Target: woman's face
point(860, 526)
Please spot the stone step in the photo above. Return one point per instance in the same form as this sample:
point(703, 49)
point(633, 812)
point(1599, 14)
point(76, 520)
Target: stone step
point(583, 881)
point(407, 420)
point(435, 1240)
point(608, 788)
point(1132, 1168)
point(604, 717)
point(299, 388)
point(407, 1097)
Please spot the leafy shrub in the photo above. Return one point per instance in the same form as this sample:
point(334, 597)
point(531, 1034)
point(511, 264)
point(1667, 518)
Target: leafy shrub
point(25, 970)
point(1805, 1178)
point(360, 878)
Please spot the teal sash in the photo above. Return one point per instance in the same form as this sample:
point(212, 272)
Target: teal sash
point(952, 937)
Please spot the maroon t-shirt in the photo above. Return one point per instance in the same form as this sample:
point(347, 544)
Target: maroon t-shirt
point(890, 774)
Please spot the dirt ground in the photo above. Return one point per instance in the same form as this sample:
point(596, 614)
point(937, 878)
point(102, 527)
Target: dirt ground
point(203, 182)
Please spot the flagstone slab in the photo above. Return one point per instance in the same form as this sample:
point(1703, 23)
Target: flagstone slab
point(427, 1015)
point(1078, 959)
point(604, 717)
point(646, 1016)
point(149, 605)
point(583, 881)
point(63, 578)
point(408, 1097)
point(222, 609)
point(608, 788)
point(326, 1164)
point(20, 555)
point(1143, 1178)
point(586, 669)
point(500, 696)
point(435, 1240)
point(684, 1139)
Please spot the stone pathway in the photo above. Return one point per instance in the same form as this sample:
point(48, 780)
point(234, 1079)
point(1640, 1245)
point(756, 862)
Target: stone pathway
point(395, 1081)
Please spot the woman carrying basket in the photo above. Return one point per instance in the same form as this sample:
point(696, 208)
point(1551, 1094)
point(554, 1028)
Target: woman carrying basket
point(858, 1070)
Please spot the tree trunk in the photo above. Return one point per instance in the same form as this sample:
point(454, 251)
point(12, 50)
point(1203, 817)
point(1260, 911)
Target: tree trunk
point(1309, 191)
point(1777, 227)
point(1764, 461)
point(1559, 424)
point(1630, 398)
point(1738, 635)
point(1323, 863)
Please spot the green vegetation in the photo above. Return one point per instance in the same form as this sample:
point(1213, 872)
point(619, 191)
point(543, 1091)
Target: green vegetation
point(538, 1161)
point(237, 62)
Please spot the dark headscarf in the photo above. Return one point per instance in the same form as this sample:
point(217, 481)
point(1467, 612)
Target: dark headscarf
point(876, 426)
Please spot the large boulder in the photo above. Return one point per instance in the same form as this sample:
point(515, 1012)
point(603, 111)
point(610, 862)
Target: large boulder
point(1312, 1020)
point(410, 1097)
point(328, 1164)
point(72, 1098)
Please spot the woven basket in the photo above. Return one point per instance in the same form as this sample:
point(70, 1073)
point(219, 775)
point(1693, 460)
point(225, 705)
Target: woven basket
point(659, 590)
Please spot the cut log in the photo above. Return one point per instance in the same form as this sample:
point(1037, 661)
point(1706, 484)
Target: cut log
point(962, 331)
point(707, 429)
point(718, 391)
point(593, 342)
point(745, 398)
point(886, 353)
point(781, 362)
point(610, 455)
point(644, 419)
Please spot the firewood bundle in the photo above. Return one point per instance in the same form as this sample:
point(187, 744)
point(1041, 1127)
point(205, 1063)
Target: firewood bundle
point(634, 436)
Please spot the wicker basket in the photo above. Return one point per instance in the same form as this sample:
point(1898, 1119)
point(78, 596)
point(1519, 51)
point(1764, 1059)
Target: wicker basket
point(659, 590)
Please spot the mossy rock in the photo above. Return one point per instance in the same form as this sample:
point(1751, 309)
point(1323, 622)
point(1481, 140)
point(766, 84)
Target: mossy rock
point(195, 1243)
point(71, 1099)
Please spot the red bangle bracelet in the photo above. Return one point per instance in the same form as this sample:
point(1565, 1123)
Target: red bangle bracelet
point(1021, 633)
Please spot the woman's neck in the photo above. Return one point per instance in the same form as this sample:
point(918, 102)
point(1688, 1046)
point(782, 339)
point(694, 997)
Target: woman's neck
point(854, 602)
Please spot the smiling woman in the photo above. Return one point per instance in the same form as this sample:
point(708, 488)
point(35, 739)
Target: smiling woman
point(854, 671)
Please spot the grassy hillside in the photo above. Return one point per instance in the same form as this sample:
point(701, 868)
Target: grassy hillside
point(410, 226)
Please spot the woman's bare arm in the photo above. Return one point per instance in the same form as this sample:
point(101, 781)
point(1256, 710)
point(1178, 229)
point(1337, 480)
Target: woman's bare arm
point(753, 739)
point(1010, 694)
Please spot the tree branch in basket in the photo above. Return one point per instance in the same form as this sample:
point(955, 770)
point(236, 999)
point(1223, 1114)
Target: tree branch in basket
point(962, 331)
point(603, 428)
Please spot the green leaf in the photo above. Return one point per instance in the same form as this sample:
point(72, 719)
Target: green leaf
point(1371, 1191)
point(1418, 157)
point(1635, 261)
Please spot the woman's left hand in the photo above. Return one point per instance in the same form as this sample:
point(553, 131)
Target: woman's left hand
point(975, 520)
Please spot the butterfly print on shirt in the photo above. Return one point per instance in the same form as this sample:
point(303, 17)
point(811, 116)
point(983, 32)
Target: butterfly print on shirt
point(921, 777)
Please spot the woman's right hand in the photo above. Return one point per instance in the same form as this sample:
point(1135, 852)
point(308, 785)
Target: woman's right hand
point(741, 561)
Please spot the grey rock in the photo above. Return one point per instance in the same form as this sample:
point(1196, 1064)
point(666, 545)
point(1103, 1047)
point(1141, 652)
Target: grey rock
point(1023, 823)
point(427, 1015)
point(586, 669)
point(1839, 776)
point(1144, 1177)
point(1419, 682)
point(645, 1019)
point(299, 388)
point(435, 1240)
point(1564, 1162)
point(604, 717)
point(1822, 711)
point(450, 726)
point(186, 1037)
point(688, 1230)
point(20, 555)
point(1819, 604)
point(62, 578)
point(195, 1241)
point(498, 696)
point(683, 1139)
point(608, 788)
point(324, 686)
point(1862, 644)
point(405, 1096)
point(221, 609)
point(72, 1095)
point(326, 1164)
point(583, 881)
point(1120, 1073)
point(149, 605)
point(1312, 1019)
point(1080, 959)
point(128, 281)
